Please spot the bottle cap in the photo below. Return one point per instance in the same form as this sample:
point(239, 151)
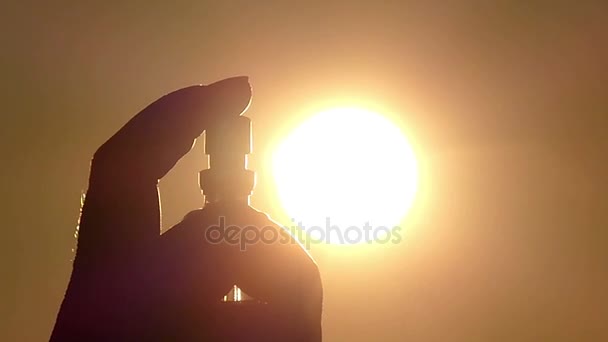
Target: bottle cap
point(227, 143)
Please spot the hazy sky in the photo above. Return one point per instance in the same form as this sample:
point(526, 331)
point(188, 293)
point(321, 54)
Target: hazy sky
point(504, 101)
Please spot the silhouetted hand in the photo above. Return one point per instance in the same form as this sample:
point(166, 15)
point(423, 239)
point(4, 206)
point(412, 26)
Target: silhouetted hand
point(130, 283)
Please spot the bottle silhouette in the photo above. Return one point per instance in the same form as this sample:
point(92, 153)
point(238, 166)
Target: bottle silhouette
point(259, 283)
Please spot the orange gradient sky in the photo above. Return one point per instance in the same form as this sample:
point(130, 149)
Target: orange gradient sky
point(504, 105)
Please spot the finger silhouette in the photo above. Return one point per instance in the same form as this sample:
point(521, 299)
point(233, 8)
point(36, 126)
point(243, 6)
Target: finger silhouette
point(121, 210)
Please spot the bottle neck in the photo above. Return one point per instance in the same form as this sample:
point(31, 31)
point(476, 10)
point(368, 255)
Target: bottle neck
point(229, 186)
point(236, 201)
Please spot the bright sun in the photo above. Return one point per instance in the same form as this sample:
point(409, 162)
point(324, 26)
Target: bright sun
point(345, 168)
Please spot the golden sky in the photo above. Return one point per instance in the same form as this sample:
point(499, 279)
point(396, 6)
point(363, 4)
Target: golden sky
point(504, 104)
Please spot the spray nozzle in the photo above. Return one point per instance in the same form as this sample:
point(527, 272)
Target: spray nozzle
point(228, 142)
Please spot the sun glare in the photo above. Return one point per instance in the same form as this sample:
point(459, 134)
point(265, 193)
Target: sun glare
point(345, 171)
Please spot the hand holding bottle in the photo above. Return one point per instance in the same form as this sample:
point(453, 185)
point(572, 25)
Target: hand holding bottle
point(126, 275)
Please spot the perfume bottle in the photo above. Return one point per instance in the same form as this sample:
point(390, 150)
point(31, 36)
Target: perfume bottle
point(277, 294)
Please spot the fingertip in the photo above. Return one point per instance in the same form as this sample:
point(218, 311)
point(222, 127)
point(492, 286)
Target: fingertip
point(238, 85)
point(232, 95)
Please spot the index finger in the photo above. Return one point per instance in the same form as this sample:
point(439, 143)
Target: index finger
point(121, 209)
